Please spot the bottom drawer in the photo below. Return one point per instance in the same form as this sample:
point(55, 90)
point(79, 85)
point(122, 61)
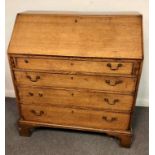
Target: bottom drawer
point(76, 117)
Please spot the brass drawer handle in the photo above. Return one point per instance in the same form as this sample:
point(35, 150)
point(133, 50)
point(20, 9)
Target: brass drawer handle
point(113, 82)
point(31, 94)
point(40, 94)
point(114, 67)
point(37, 113)
point(110, 120)
point(33, 80)
point(111, 103)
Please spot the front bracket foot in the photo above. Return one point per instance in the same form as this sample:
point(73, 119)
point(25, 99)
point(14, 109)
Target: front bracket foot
point(25, 130)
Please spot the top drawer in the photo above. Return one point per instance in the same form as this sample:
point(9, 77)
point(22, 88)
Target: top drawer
point(71, 65)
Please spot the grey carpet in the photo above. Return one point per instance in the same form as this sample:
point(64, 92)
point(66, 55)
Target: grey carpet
point(45, 141)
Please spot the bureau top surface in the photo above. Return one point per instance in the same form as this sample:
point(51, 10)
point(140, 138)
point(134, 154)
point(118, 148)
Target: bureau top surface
point(101, 36)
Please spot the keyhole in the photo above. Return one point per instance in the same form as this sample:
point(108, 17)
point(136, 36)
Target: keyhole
point(72, 94)
point(26, 61)
point(72, 78)
point(72, 111)
point(76, 20)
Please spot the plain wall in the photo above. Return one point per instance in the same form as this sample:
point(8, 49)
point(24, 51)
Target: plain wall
point(141, 6)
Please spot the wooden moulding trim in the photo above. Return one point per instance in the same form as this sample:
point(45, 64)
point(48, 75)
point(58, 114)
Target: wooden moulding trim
point(41, 124)
point(137, 83)
point(142, 40)
point(14, 83)
point(136, 92)
point(136, 68)
point(81, 13)
point(74, 57)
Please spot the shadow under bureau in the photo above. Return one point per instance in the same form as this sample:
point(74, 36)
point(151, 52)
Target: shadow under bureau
point(77, 71)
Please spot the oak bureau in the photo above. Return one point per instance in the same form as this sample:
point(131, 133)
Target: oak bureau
point(77, 71)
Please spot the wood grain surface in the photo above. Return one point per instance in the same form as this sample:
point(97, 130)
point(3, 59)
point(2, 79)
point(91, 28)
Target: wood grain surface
point(75, 117)
point(109, 67)
point(108, 83)
point(74, 98)
point(77, 71)
point(85, 36)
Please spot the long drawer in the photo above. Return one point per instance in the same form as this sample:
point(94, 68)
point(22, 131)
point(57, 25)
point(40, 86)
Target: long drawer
point(76, 117)
point(62, 97)
point(107, 83)
point(110, 67)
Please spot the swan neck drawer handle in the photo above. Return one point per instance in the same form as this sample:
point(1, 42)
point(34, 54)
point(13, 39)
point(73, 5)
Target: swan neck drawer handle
point(31, 94)
point(40, 94)
point(110, 120)
point(114, 67)
point(111, 103)
point(33, 79)
point(37, 113)
point(113, 82)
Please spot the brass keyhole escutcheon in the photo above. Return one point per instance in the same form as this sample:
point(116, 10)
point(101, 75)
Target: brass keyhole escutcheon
point(26, 61)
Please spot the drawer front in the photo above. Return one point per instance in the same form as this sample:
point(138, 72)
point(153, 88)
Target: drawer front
point(75, 65)
point(76, 117)
point(40, 96)
point(108, 83)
